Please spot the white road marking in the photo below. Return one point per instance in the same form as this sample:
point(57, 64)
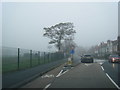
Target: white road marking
point(59, 73)
point(102, 68)
point(47, 76)
point(72, 67)
point(47, 86)
point(87, 64)
point(112, 81)
point(100, 61)
point(62, 73)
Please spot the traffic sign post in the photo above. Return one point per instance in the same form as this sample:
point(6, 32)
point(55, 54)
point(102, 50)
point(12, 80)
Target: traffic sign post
point(72, 52)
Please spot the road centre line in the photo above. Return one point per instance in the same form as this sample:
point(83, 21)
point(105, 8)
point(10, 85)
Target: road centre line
point(112, 81)
point(102, 68)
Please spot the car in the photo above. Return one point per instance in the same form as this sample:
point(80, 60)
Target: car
point(114, 58)
point(87, 59)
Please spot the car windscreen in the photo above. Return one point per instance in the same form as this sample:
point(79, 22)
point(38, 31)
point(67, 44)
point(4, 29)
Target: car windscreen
point(87, 55)
point(115, 56)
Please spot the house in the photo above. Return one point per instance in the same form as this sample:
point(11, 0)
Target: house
point(114, 46)
point(109, 47)
point(104, 49)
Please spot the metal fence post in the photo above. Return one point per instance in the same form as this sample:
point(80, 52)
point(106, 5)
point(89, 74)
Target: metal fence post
point(30, 58)
point(44, 57)
point(48, 57)
point(18, 58)
point(38, 57)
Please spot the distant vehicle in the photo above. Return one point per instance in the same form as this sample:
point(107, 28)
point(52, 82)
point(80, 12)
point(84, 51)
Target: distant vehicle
point(114, 58)
point(87, 59)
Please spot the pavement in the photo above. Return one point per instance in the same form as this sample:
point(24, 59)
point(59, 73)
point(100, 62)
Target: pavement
point(18, 78)
point(45, 79)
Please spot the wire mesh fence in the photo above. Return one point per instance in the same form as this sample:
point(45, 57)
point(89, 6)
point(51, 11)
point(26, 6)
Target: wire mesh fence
point(14, 59)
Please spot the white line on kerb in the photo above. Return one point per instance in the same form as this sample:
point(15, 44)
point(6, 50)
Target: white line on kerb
point(112, 81)
point(47, 86)
point(102, 68)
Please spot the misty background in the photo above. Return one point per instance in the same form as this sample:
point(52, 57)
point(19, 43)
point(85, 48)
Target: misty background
point(23, 22)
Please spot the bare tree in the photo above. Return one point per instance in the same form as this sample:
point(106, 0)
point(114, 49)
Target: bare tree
point(59, 32)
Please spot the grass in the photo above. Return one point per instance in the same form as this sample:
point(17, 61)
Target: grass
point(12, 65)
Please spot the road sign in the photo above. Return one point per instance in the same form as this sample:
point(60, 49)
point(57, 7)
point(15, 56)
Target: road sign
point(72, 52)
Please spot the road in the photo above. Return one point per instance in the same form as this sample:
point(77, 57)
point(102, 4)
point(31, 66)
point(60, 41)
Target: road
point(84, 75)
point(113, 70)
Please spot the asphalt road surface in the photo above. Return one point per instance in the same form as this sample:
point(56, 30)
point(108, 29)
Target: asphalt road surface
point(84, 75)
point(113, 70)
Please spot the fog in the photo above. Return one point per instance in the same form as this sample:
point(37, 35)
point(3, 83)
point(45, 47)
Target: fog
point(23, 22)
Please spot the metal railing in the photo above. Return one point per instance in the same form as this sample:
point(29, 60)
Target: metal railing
point(14, 59)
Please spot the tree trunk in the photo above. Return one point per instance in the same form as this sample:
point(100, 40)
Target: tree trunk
point(59, 48)
point(59, 43)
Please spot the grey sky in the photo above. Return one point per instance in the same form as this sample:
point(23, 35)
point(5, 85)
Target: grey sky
point(23, 23)
point(0, 24)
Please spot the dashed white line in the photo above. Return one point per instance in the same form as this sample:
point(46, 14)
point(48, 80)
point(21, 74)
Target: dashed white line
point(112, 81)
point(102, 68)
point(47, 86)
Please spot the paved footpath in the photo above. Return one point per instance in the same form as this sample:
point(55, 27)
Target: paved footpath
point(45, 79)
point(18, 78)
